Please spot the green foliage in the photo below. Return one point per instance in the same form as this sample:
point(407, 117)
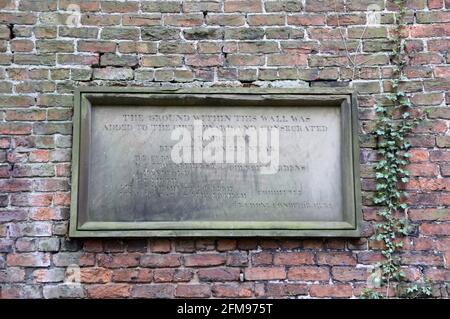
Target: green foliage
point(392, 148)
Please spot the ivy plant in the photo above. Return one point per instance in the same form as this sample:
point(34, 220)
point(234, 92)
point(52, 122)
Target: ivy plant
point(393, 123)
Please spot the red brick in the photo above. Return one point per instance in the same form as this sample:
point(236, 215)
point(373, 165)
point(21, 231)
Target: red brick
point(435, 229)
point(429, 184)
point(430, 30)
point(45, 213)
point(422, 258)
point(293, 258)
point(49, 275)
point(93, 245)
point(153, 291)
point(184, 20)
point(15, 128)
point(423, 243)
point(435, 4)
point(173, 275)
point(262, 258)
point(204, 60)
point(447, 259)
point(61, 199)
point(193, 291)
point(309, 273)
point(204, 260)
point(442, 244)
point(306, 19)
point(132, 275)
point(39, 156)
point(157, 260)
point(349, 273)
point(232, 290)
point(426, 169)
point(27, 199)
point(442, 72)
point(97, 46)
point(265, 273)
point(219, 274)
point(226, 244)
point(438, 274)
point(336, 258)
point(418, 155)
point(336, 291)
point(285, 289)
point(95, 275)
point(160, 246)
point(118, 260)
point(266, 19)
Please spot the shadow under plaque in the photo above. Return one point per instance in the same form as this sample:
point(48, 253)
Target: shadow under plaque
point(302, 181)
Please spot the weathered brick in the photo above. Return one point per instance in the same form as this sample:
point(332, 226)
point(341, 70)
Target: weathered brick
point(119, 7)
point(336, 258)
point(163, 6)
point(285, 289)
point(96, 46)
point(123, 33)
point(157, 260)
point(242, 5)
point(153, 291)
point(119, 260)
point(204, 260)
point(64, 259)
point(336, 291)
point(293, 258)
point(225, 19)
point(123, 60)
point(38, 5)
point(156, 33)
point(110, 73)
point(219, 274)
point(28, 260)
point(173, 275)
point(95, 275)
point(203, 33)
point(204, 60)
point(108, 291)
point(232, 290)
point(349, 273)
point(161, 60)
point(283, 5)
point(249, 33)
point(245, 59)
point(132, 275)
point(64, 291)
point(309, 273)
point(49, 275)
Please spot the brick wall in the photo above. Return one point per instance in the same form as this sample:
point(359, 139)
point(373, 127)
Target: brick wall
point(44, 55)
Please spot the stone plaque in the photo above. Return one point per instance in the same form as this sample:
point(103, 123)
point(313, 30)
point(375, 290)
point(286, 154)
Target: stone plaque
point(239, 162)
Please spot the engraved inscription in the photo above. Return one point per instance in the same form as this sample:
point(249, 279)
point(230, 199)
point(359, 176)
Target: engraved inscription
point(132, 176)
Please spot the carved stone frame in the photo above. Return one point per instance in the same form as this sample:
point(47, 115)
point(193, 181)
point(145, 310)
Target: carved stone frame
point(86, 97)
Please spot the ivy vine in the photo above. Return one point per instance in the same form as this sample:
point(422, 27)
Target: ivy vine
point(392, 125)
